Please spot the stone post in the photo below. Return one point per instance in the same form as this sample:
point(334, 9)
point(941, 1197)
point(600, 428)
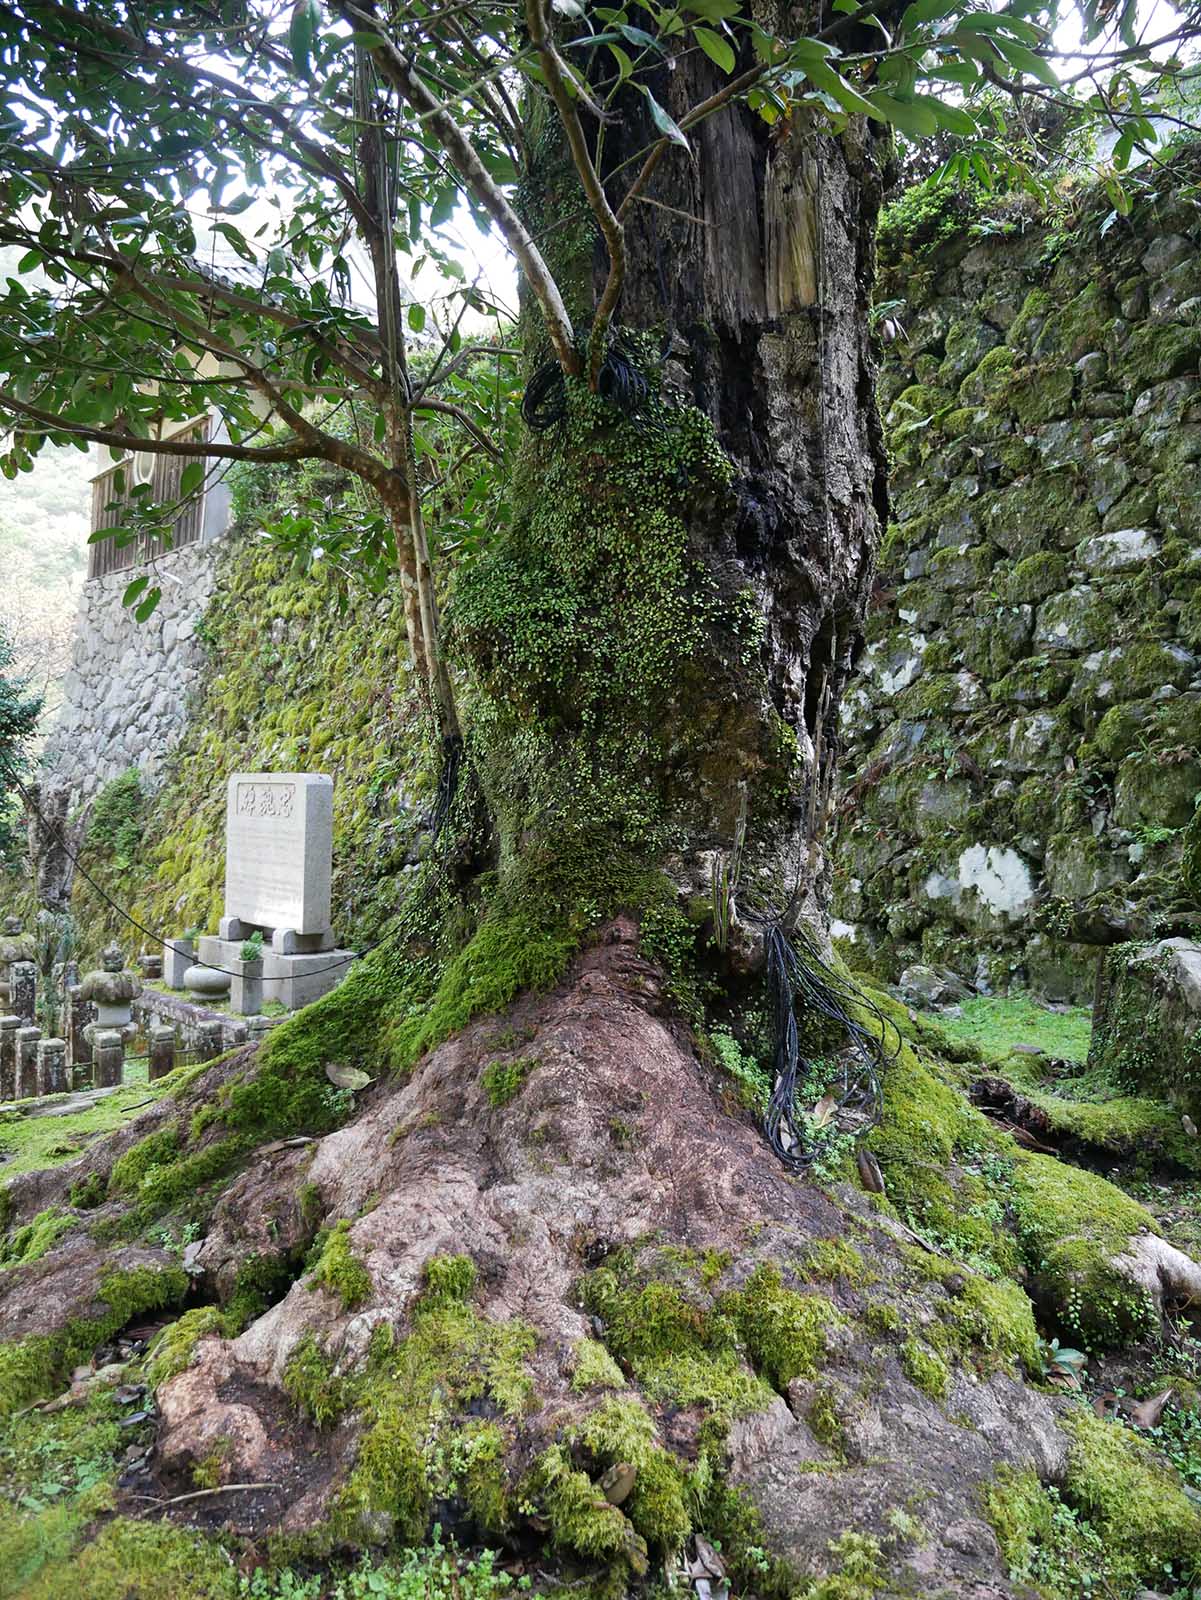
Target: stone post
point(79, 1046)
point(23, 989)
point(235, 1033)
point(246, 988)
point(208, 1040)
point(108, 1048)
point(259, 1027)
point(162, 1050)
point(8, 1057)
point(52, 1066)
point(27, 1062)
point(178, 956)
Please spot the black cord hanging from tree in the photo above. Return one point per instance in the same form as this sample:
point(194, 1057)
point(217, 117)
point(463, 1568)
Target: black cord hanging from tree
point(620, 382)
point(798, 975)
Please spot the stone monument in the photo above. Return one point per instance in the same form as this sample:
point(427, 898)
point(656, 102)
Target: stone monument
point(111, 989)
point(278, 850)
point(15, 945)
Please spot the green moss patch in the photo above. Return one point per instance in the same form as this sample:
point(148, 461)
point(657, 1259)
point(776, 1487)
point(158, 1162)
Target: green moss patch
point(35, 1365)
point(339, 1270)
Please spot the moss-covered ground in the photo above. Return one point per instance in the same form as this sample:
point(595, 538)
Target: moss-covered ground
point(996, 1023)
point(29, 1144)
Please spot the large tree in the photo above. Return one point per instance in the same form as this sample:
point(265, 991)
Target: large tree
point(637, 697)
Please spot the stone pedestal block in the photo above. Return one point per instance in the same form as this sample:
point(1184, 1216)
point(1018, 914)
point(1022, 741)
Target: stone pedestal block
point(80, 1013)
point(246, 988)
point(52, 1066)
point(8, 1057)
point(178, 956)
point(151, 964)
point(208, 1040)
point(27, 1062)
point(162, 1051)
point(294, 981)
point(108, 1049)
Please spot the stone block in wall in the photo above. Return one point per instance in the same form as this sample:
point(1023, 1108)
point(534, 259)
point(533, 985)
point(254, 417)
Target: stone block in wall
point(1152, 792)
point(1123, 550)
point(1080, 866)
point(1147, 1028)
point(1082, 619)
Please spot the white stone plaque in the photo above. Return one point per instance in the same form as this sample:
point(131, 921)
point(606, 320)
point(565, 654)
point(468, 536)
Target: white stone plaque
point(278, 840)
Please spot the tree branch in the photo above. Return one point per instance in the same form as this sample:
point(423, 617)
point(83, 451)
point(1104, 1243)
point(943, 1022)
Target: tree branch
point(447, 409)
point(294, 450)
point(465, 158)
point(594, 191)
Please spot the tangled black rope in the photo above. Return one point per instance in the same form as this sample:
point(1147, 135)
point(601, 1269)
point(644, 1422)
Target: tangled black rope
point(620, 381)
point(797, 974)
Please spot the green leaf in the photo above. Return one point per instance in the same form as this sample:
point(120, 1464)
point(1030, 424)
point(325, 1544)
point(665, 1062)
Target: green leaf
point(913, 119)
point(663, 122)
point(803, 51)
point(824, 77)
point(191, 477)
point(30, 260)
point(1026, 61)
point(625, 67)
point(953, 118)
point(715, 47)
point(146, 610)
point(712, 10)
point(639, 38)
point(302, 30)
point(999, 22)
point(957, 72)
point(416, 317)
point(922, 11)
point(134, 589)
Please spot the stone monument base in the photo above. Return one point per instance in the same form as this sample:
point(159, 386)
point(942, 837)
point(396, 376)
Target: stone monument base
point(293, 980)
point(284, 941)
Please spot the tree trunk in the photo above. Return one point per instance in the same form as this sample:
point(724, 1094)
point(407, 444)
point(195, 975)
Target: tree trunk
point(703, 562)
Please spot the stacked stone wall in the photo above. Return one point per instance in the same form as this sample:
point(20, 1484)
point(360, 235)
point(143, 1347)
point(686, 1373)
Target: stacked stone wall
point(1024, 743)
point(125, 696)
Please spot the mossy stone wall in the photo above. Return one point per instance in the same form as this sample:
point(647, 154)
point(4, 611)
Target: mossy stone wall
point(300, 674)
point(1024, 741)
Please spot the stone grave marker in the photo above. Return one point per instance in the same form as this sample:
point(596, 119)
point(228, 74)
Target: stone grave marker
point(279, 831)
point(278, 857)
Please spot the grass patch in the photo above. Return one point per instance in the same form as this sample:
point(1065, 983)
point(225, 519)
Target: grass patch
point(29, 1144)
point(996, 1023)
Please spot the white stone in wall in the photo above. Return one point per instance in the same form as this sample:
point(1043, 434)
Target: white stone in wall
point(896, 670)
point(999, 876)
point(939, 887)
point(1118, 551)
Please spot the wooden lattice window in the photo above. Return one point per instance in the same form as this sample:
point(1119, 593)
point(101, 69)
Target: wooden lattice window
point(109, 509)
